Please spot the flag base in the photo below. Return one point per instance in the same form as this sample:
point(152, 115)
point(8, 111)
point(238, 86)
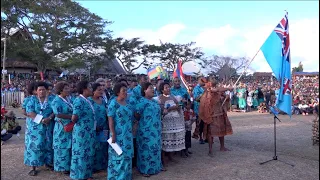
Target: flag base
point(275, 157)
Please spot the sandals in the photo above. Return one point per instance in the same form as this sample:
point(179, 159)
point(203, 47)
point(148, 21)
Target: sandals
point(146, 175)
point(33, 173)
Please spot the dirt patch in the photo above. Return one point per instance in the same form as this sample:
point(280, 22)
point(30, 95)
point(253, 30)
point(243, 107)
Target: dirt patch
point(251, 143)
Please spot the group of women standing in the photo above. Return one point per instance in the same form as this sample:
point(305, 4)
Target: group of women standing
point(66, 139)
point(68, 133)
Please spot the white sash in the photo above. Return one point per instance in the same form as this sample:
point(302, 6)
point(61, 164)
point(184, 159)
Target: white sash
point(43, 105)
point(67, 102)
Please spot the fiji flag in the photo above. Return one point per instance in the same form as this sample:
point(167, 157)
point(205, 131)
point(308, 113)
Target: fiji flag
point(276, 50)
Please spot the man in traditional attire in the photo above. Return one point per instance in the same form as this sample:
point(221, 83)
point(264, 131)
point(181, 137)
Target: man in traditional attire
point(214, 116)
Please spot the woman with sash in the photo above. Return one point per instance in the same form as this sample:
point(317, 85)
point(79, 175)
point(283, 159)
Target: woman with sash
point(120, 117)
point(102, 129)
point(62, 108)
point(38, 137)
point(83, 134)
point(149, 133)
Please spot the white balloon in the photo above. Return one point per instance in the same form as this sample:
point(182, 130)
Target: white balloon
point(190, 68)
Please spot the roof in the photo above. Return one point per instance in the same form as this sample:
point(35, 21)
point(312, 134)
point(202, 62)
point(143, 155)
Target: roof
point(10, 63)
point(111, 67)
point(305, 73)
point(262, 74)
point(12, 31)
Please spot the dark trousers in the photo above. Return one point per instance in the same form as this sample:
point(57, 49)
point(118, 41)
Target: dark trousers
point(6, 137)
point(134, 159)
point(201, 126)
point(188, 139)
point(15, 130)
point(267, 104)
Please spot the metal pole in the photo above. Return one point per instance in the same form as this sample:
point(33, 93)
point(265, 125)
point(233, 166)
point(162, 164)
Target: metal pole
point(4, 59)
point(245, 69)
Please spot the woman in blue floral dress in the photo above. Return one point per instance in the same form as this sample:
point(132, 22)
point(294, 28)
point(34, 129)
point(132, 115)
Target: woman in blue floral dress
point(62, 108)
point(31, 91)
point(101, 148)
point(149, 133)
point(38, 137)
point(120, 115)
point(83, 134)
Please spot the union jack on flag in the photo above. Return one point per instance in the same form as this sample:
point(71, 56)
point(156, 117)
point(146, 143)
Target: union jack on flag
point(276, 50)
point(282, 30)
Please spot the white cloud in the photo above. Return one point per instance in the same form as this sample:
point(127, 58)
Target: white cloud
point(166, 33)
point(227, 40)
point(304, 45)
point(215, 38)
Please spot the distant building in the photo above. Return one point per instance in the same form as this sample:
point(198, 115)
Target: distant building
point(262, 74)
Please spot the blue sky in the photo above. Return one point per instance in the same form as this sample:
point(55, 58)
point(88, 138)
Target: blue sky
point(235, 28)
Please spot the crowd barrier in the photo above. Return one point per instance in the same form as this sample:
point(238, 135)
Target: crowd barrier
point(7, 98)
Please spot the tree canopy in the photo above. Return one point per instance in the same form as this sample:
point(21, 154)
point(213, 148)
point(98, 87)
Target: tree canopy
point(298, 69)
point(224, 66)
point(58, 31)
point(62, 33)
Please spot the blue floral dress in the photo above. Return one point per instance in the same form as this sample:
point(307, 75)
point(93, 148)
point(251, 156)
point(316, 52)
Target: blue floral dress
point(120, 167)
point(101, 148)
point(197, 92)
point(182, 92)
point(25, 102)
point(255, 99)
point(149, 137)
point(83, 140)
point(242, 101)
point(38, 137)
point(61, 139)
point(137, 91)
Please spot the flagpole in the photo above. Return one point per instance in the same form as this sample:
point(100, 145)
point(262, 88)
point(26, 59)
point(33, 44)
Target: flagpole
point(245, 69)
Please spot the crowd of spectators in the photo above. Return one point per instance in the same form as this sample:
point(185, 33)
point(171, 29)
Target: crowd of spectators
point(305, 89)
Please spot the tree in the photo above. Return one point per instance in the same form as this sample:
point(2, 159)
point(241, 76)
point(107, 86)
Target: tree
point(59, 31)
point(225, 66)
point(128, 52)
point(169, 54)
point(297, 69)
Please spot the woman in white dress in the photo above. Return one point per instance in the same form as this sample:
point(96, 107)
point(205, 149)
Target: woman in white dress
point(173, 128)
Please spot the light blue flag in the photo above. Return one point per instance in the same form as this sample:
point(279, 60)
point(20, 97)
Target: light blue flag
point(276, 50)
point(272, 51)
